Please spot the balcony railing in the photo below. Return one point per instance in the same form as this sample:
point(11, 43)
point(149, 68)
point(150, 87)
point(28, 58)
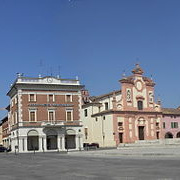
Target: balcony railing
point(52, 123)
point(60, 123)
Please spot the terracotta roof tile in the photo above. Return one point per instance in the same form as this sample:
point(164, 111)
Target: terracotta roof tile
point(170, 111)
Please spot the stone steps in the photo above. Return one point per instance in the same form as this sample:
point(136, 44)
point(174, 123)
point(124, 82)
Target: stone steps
point(151, 143)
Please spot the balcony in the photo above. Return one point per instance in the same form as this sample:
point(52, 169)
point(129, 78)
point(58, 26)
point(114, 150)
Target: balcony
point(60, 123)
point(52, 123)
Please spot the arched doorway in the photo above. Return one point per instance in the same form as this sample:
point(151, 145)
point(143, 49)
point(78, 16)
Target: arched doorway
point(178, 135)
point(70, 139)
point(32, 140)
point(168, 135)
point(51, 137)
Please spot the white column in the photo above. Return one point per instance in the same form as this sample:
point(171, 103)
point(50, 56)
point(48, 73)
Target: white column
point(13, 144)
point(77, 142)
point(62, 142)
point(58, 142)
point(45, 143)
point(81, 141)
point(40, 143)
point(25, 144)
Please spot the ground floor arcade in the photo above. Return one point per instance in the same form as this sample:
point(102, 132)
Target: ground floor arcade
point(46, 139)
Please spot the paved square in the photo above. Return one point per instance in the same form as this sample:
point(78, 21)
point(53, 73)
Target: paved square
point(100, 165)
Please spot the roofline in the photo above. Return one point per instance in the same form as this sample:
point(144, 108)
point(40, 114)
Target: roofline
point(62, 85)
point(89, 104)
point(125, 112)
point(106, 95)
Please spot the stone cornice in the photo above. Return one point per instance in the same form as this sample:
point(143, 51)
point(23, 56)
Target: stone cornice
point(126, 112)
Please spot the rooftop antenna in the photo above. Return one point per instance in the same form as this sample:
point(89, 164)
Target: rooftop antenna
point(151, 77)
point(59, 69)
point(124, 74)
point(41, 67)
point(51, 73)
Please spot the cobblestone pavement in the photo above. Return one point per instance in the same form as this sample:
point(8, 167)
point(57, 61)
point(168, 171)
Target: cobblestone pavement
point(123, 164)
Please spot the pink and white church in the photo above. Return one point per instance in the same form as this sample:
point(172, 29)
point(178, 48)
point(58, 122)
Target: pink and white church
point(127, 115)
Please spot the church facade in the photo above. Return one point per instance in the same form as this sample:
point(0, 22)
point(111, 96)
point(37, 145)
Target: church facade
point(124, 116)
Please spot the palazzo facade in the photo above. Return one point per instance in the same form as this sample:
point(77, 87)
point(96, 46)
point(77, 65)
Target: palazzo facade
point(44, 114)
point(171, 122)
point(123, 116)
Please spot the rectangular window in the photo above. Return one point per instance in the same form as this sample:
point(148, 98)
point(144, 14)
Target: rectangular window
point(120, 124)
point(106, 106)
point(85, 113)
point(69, 115)
point(157, 124)
point(86, 132)
point(51, 115)
point(51, 98)
point(32, 97)
point(164, 125)
point(174, 125)
point(68, 98)
point(32, 116)
point(140, 105)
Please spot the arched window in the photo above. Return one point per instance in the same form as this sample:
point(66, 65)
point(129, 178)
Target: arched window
point(51, 137)
point(178, 135)
point(168, 135)
point(140, 105)
point(32, 140)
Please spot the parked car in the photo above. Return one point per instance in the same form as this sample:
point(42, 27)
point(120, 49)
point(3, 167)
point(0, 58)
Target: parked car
point(3, 149)
point(91, 145)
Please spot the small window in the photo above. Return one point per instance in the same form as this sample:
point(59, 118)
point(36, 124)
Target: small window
point(32, 116)
point(69, 115)
point(157, 124)
point(85, 113)
point(68, 98)
point(51, 115)
point(140, 105)
point(86, 132)
point(120, 124)
point(51, 98)
point(96, 119)
point(32, 97)
point(174, 125)
point(106, 106)
point(164, 125)
point(104, 117)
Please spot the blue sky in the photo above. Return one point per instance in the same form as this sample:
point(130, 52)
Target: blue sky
point(93, 39)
